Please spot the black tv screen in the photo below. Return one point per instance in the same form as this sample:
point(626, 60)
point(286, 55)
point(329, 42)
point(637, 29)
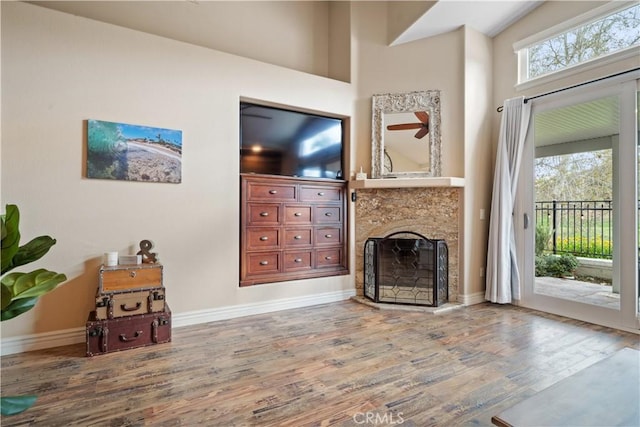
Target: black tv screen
point(276, 141)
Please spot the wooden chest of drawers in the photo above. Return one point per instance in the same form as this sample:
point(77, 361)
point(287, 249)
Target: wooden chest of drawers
point(291, 228)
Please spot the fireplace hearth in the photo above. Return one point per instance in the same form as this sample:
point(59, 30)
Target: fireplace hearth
point(406, 268)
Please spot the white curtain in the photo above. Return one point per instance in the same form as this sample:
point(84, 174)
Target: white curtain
point(503, 279)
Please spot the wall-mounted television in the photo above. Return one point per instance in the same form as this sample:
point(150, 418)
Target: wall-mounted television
point(278, 141)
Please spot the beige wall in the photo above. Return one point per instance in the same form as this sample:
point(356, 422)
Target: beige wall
point(59, 70)
point(340, 41)
point(292, 34)
point(434, 63)
point(478, 154)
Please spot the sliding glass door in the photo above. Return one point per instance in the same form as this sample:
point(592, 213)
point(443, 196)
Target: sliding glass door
point(577, 209)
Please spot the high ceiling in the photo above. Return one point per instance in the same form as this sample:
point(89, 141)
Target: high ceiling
point(487, 17)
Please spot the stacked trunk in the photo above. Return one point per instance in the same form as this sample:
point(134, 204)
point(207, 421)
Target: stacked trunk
point(131, 310)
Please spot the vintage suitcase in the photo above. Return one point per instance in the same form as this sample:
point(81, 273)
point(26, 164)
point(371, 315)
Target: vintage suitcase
point(120, 304)
point(123, 333)
point(129, 277)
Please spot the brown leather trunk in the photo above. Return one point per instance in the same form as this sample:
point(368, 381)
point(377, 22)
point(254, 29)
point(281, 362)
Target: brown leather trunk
point(121, 304)
point(123, 333)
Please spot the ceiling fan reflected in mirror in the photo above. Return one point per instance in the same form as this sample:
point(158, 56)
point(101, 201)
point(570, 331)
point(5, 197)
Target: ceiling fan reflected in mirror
point(422, 126)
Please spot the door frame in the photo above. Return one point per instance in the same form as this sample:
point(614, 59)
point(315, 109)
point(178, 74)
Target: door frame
point(625, 209)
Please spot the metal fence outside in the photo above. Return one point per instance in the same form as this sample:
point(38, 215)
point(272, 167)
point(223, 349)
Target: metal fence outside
point(583, 228)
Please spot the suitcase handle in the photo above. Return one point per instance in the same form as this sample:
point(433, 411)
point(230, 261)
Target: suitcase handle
point(137, 335)
point(125, 308)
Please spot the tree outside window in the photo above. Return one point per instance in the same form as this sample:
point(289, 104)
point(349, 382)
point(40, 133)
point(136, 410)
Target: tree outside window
point(602, 37)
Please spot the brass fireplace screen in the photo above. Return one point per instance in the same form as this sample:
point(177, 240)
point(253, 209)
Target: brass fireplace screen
point(409, 270)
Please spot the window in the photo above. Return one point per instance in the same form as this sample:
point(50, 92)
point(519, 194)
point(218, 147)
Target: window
point(598, 34)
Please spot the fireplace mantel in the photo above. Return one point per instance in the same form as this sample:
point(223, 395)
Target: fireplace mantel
point(439, 181)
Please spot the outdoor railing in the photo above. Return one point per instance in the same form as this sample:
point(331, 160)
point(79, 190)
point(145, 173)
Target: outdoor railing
point(583, 228)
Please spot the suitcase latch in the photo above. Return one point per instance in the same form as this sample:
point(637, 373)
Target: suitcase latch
point(102, 303)
point(95, 332)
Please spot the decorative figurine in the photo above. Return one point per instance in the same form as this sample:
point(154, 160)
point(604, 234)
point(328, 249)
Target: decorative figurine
point(147, 256)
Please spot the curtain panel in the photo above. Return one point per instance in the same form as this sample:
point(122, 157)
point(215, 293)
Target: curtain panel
point(503, 278)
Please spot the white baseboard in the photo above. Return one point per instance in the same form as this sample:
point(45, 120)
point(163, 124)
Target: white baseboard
point(44, 340)
point(223, 313)
point(32, 342)
point(470, 299)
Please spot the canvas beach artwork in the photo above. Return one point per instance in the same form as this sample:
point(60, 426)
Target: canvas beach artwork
point(133, 153)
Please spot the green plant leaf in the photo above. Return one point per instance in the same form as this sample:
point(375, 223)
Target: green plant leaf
point(33, 284)
point(9, 280)
point(32, 251)
point(7, 296)
point(12, 405)
point(10, 237)
point(17, 307)
point(3, 228)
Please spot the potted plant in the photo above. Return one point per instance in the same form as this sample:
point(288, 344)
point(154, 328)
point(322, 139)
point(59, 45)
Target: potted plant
point(20, 291)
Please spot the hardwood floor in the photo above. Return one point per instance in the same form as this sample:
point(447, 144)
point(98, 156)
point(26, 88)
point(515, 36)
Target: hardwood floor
point(341, 364)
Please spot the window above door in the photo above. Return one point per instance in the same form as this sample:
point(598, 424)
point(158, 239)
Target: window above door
point(603, 35)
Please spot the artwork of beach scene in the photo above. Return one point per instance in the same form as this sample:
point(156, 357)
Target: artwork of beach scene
point(133, 153)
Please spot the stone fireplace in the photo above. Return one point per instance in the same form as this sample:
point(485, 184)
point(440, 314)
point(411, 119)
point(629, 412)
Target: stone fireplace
point(428, 206)
point(406, 268)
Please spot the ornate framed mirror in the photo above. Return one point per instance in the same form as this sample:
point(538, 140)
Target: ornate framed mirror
point(406, 135)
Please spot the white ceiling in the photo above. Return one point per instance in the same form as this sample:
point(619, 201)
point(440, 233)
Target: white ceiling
point(487, 17)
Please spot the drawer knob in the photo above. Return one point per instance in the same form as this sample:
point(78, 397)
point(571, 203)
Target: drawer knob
point(298, 237)
point(264, 213)
point(273, 191)
point(328, 258)
point(297, 260)
point(132, 274)
point(264, 238)
point(297, 214)
point(320, 193)
point(328, 236)
point(264, 262)
point(328, 214)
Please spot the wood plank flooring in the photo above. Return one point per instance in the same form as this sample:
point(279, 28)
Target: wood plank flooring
point(341, 364)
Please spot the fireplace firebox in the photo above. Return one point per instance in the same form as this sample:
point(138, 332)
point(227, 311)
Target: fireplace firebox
point(411, 269)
